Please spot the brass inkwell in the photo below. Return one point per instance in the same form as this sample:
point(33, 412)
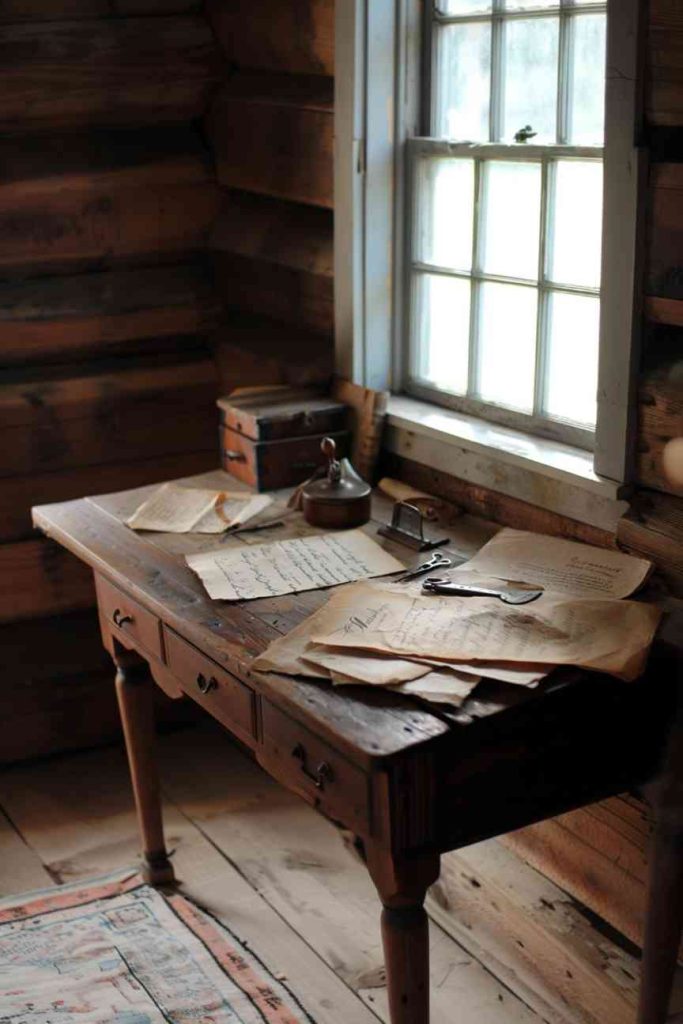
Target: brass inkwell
point(336, 498)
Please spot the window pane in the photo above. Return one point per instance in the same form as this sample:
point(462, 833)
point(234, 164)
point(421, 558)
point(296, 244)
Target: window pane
point(572, 358)
point(441, 331)
point(464, 6)
point(575, 223)
point(463, 63)
point(507, 345)
point(445, 215)
point(525, 5)
point(587, 90)
point(511, 218)
point(530, 50)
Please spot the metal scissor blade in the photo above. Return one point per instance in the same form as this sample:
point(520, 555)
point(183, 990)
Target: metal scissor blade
point(510, 595)
point(437, 561)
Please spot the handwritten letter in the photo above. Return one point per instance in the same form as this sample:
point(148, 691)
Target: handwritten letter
point(176, 509)
point(563, 566)
point(291, 566)
point(609, 636)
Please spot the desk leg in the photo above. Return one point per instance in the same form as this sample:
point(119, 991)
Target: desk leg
point(402, 885)
point(135, 693)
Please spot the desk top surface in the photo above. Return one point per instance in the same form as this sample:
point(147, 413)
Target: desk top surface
point(369, 723)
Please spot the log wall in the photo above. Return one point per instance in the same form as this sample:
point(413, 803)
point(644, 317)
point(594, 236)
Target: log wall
point(108, 196)
point(270, 128)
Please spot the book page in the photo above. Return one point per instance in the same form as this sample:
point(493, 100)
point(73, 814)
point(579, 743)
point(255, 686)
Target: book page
point(292, 566)
point(562, 566)
point(609, 636)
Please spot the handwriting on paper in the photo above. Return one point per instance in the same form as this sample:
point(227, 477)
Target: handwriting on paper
point(292, 566)
point(173, 508)
point(610, 636)
point(563, 566)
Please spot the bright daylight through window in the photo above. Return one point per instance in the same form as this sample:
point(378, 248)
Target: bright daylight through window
point(505, 240)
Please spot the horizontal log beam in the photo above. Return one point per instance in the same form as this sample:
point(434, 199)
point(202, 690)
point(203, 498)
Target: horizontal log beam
point(660, 412)
point(64, 701)
point(290, 124)
point(42, 578)
point(664, 78)
point(287, 234)
point(62, 318)
point(115, 72)
point(92, 201)
point(252, 350)
point(21, 492)
point(296, 36)
point(665, 231)
point(52, 424)
point(652, 528)
point(664, 311)
point(275, 259)
point(14, 11)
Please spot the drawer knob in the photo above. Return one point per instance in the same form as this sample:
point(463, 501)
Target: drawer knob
point(119, 619)
point(232, 456)
point(322, 774)
point(205, 684)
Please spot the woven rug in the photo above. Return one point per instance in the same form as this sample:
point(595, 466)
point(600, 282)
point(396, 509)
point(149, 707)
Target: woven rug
point(119, 952)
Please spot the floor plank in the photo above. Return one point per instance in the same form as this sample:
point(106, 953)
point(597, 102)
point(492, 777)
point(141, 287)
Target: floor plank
point(76, 814)
point(295, 860)
point(21, 868)
point(256, 857)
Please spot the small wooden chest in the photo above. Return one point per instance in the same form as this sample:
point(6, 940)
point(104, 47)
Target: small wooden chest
point(273, 441)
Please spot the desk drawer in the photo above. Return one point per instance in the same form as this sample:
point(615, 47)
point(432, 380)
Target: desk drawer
point(318, 772)
point(129, 620)
point(225, 698)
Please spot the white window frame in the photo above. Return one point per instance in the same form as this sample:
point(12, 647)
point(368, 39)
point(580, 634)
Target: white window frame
point(377, 109)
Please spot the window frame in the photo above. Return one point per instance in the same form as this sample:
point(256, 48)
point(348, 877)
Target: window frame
point(378, 107)
point(533, 422)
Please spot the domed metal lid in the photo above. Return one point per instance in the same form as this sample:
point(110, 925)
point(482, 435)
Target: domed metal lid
point(340, 485)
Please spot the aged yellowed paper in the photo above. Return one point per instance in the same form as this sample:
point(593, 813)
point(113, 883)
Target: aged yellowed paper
point(294, 654)
point(611, 636)
point(563, 566)
point(292, 566)
point(173, 508)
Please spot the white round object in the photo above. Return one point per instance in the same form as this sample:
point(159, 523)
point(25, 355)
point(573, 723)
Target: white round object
point(672, 461)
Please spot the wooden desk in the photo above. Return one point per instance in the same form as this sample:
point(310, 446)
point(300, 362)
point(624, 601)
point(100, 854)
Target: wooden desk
point(411, 781)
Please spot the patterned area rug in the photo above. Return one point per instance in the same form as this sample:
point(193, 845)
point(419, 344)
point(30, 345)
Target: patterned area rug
point(119, 952)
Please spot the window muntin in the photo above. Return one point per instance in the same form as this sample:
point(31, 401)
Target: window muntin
point(511, 232)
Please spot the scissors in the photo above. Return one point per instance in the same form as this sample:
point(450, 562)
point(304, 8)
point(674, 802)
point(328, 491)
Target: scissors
point(510, 595)
point(437, 561)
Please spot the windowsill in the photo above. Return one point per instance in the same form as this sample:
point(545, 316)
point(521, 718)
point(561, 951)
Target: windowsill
point(546, 473)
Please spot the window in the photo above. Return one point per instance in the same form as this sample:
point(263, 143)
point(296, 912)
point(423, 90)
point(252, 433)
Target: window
point(506, 219)
point(487, 200)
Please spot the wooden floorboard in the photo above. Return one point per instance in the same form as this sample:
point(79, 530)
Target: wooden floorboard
point(21, 869)
point(256, 857)
point(291, 885)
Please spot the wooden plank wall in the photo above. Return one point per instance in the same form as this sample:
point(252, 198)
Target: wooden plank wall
point(107, 200)
point(270, 126)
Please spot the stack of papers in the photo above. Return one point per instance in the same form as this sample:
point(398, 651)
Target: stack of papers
point(439, 647)
point(173, 508)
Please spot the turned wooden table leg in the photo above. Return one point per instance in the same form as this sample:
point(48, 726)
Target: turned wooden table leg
point(135, 693)
point(402, 884)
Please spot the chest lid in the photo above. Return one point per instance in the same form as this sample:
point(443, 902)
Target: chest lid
point(282, 413)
